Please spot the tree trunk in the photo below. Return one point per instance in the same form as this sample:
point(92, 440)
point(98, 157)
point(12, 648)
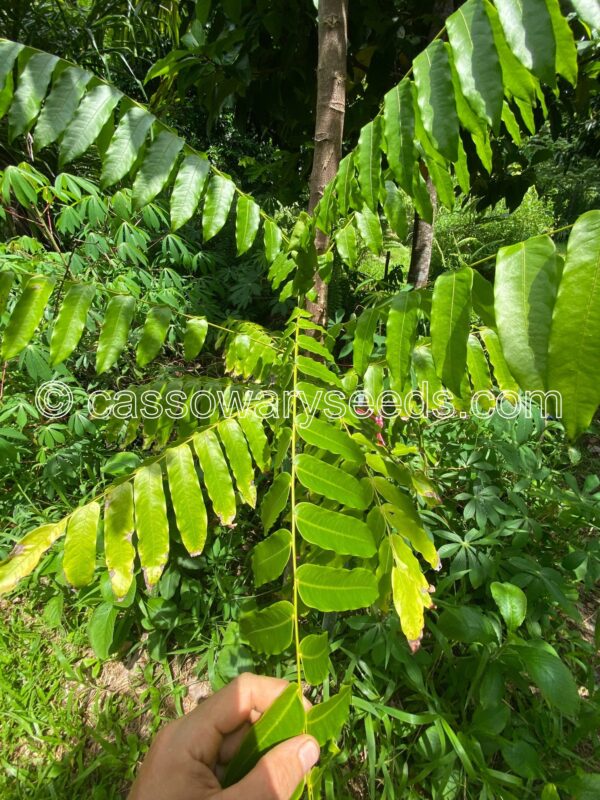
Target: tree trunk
point(329, 125)
point(420, 257)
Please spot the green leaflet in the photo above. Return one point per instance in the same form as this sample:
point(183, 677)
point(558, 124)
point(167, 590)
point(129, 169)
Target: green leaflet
point(187, 499)
point(236, 449)
point(335, 589)
point(518, 81)
point(275, 500)
point(326, 720)
point(410, 591)
point(270, 557)
point(280, 269)
point(483, 299)
point(331, 530)
point(316, 369)
point(27, 553)
point(331, 482)
point(326, 209)
point(399, 128)
point(216, 205)
point(589, 11)
point(478, 369)
point(101, 629)
point(314, 346)
point(113, 336)
point(327, 436)
point(93, 113)
point(395, 210)
point(369, 228)
point(7, 279)
point(526, 283)
point(33, 82)
point(79, 560)
point(511, 602)
point(151, 522)
point(373, 385)
point(528, 30)
point(187, 191)
point(284, 719)
point(450, 326)
point(26, 315)
point(61, 104)
point(125, 145)
point(216, 475)
point(401, 513)
point(272, 240)
point(364, 339)
point(154, 334)
point(566, 49)
point(427, 380)
point(345, 240)
point(8, 55)
point(345, 183)
point(118, 535)
point(269, 630)
point(401, 335)
point(246, 223)
point(574, 348)
point(157, 164)
point(551, 676)
point(314, 652)
point(476, 60)
point(194, 337)
point(435, 98)
point(71, 321)
point(251, 424)
point(502, 374)
point(368, 160)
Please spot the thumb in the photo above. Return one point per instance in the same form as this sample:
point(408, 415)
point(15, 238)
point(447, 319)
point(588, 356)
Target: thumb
point(278, 773)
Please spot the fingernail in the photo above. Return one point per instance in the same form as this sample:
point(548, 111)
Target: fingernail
point(309, 754)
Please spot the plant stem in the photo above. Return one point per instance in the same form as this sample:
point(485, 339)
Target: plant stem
point(293, 522)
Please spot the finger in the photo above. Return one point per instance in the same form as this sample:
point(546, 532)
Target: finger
point(232, 742)
point(278, 773)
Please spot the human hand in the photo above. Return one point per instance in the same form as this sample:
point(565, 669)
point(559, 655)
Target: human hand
point(187, 756)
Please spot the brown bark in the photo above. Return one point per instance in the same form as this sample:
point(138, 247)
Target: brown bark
point(329, 125)
point(420, 257)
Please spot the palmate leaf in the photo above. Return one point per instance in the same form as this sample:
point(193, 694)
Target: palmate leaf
point(93, 113)
point(70, 322)
point(216, 475)
point(269, 630)
point(525, 287)
point(26, 555)
point(574, 346)
point(332, 530)
point(156, 167)
point(247, 222)
point(187, 499)
point(237, 452)
point(26, 315)
point(151, 522)
point(118, 535)
point(336, 589)
point(270, 557)
point(125, 145)
point(314, 652)
point(217, 203)
point(60, 106)
point(450, 326)
point(331, 482)
point(31, 89)
point(154, 334)
point(79, 559)
point(115, 328)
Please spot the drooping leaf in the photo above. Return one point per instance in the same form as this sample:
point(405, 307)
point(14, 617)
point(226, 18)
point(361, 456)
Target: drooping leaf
point(113, 336)
point(314, 652)
point(257, 440)
point(483, 299)
point(70, 322)
point(331, 482)
point(402, 515)
point(345, 183)
point(512, 603)
point(79, 559)
point(435, 98)
point(194, 338)
point(31, 89)
point(217, 203)
point(151, 522)
point(479, 372)
point(275, 500)
point(327, 436)
point(589, 11)
point(270, 557)
point(187, 191)
point(364, 339)
point(154, 334)
point(336, 589)
point(395, 210)
point(91, 116)
point(332, 530)
point(272, 240)
point(7, 278)
point(450, 325)
point(369, 227)
point(525, 288)
point(157, 165)
point(399, 128)
point(566, 49)
point(284, 719)
point(401, 334)
point(345, 240)
point(314, 346)
point(125, 145)
point(187, 499)
point(368, 161)
point(529, 33)
point(246, 223)
point(318, 370)
point(326, 720)
point(410, 591)
point(27, 553)
point(118, 535)
point(9, 52)
point(216, 475)
point(26, 315)
point(574, 348)
point(237, 452)
point(502, 374)
point(61, 104)
point(269, 630)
